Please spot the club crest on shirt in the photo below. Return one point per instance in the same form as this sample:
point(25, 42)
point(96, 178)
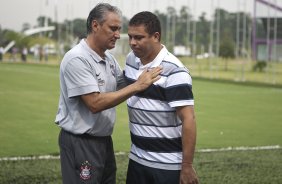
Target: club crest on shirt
point(101, 82)
point(112, 67)
point(85, 170)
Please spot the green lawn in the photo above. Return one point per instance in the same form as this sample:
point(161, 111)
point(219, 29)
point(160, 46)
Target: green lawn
point(28, 95)
point(228, 113)
point(235, 70)
point(246, 167)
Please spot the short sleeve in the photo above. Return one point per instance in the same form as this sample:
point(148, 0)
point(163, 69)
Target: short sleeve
point(179, 88)
point(80, 77)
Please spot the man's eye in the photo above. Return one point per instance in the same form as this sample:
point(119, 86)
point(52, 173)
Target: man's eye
point(138, 37)
point(115, 29)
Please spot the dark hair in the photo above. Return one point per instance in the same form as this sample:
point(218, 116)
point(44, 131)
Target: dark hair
point(149, 20)
point(98, 13)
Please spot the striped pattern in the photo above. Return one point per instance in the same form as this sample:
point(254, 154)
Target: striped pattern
point(154, 125)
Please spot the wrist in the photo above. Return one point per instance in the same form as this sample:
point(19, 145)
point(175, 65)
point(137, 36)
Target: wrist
point(136, 87)
point(187, 164)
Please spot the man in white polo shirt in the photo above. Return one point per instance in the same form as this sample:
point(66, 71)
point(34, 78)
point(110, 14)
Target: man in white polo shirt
point(89, 79)
point(162, 120)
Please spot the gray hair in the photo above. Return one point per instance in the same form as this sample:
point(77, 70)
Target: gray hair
point(98, 13)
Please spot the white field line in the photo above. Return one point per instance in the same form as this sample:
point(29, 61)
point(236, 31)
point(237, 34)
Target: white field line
point(48, 157)
point(241, 148)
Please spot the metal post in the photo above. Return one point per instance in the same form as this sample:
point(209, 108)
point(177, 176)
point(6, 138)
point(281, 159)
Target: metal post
point(274, 60)
point(238, 31)
point(217, 35)
point(167, 29)
point(188, 25)
point(244, 28)
point(218, 30)
point(194, 30)
point(243, 50)
point(254, 25)
point(173, 26)
point(211, 39)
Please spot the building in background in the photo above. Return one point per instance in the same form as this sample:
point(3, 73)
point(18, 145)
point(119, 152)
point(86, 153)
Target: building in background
point(266, 30)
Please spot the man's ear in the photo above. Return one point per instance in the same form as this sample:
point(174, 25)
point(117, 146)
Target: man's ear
point(157, 36)
point(94, 25)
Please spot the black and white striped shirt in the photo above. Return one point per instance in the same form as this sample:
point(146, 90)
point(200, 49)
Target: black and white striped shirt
point(154, 125)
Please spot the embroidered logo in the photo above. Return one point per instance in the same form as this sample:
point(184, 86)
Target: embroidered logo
point(85, 170)
point(101, 82)
point(112, 67)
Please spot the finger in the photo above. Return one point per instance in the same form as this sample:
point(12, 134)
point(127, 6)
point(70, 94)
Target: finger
point(144, 71)
point(156, 78)
point(157, 69)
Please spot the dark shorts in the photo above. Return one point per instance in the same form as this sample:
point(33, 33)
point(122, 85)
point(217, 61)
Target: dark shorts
point(140, 174)
point(87, 159)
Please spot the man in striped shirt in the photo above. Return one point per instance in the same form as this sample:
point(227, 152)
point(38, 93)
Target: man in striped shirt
point(162, 119)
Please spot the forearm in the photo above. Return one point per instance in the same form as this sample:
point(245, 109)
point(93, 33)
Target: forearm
point(187, 116)
point(188, 141)
point(97, 102)
point(188, 174)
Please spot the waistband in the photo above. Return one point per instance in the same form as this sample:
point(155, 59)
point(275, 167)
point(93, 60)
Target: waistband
point(85, 135)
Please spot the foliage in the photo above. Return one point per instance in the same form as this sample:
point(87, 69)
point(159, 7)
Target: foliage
point(260, 66)
point(39, 40)
point(22, 40)
point(12, 35)
point(175, 28)
point(43, 21)
point(203, 26)
point(162, 17)
point(226, 49)
point(79, 28)
point(124, 27)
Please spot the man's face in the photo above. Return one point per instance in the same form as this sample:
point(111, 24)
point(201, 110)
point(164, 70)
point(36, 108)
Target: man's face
point(141, 43)
point(109, 31)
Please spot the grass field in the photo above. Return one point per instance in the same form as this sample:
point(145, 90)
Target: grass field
point(228, 114)
point(245, 167)
point(241, 70)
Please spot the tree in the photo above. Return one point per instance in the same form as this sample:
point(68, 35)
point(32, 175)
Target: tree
point(25, 27)
point(203, 28)
point(124, 27)
point(181, 36)
point(163, 20)
point(44, 21)
point(226, 50)
point(170, 27)
point(79, 28)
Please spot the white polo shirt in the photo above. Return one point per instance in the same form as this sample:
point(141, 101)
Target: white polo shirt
point(83, 71)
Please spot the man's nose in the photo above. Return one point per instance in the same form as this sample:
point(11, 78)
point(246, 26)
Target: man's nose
point(117, 34)
point(132, 41)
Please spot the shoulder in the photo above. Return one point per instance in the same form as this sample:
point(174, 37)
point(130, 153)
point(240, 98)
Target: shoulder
point(172, 64)
point(173, 60)
point(78, 52)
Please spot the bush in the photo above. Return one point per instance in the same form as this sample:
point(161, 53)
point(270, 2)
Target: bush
point(260, 66)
